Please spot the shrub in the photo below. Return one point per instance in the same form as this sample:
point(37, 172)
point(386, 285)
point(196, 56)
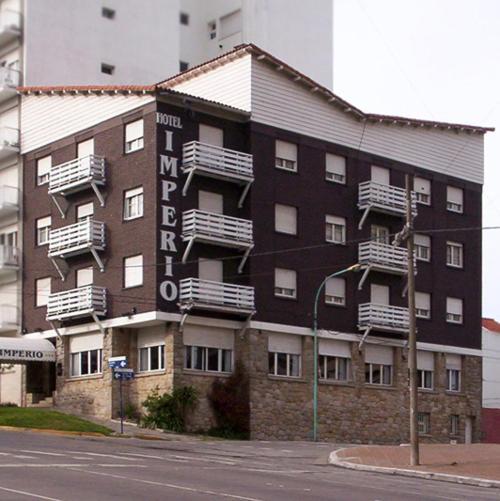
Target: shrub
point(229, 399)
point(168, 411)
point(131, 412)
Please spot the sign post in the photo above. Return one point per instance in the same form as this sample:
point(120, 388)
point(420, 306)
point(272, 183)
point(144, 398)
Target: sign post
point(121, 372)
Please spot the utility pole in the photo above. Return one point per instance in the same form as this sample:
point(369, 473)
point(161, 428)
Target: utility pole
point(412, 335)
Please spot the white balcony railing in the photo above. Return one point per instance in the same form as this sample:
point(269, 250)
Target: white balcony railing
point(9, 200)
point(218, 296)
point(9, 142)
point(384, 198)
point(10, 25)
point(9, 258)
point(9, 318)
point(77, 238)
point(383, 257)
point(217, 228)
point(75, 303)
point(10, 78)
point(383, 317)
point(77, 175)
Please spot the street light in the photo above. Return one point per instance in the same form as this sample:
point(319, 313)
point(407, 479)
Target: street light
point(354, 267)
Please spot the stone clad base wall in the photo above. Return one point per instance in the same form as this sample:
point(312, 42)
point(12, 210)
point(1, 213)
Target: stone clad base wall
point(281, 408)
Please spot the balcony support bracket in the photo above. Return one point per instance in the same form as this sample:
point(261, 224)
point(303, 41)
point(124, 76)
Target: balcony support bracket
point(98, 194)
point(364, 277)
point(363, 217)
point(59, 207)
point(56, 330)
point(185, 314)
point(246, 325)
point(99, 323)
point(188, 182)
point(188, 250)
point(58, 268)
point(365, 335)
point(244, 259)
point(244, 194)
point(97, 259)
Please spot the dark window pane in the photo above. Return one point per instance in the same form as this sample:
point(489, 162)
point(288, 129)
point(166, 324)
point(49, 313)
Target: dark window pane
point(213, 359)
point(162, 356)
point(343, 372)
point(282, 364)
point(143, 359)
point(387, 374)
point(226, 360)
point(330, 367)
point(85, 362)
point(294, 365)
point(321, 365)
point(376, 376)
point(189, 361)
point(272, 368)
point(367, 373)
point(93, 362)
point(154, 358)
point(198, 362)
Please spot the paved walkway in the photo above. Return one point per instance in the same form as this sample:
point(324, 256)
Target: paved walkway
point(475, 460)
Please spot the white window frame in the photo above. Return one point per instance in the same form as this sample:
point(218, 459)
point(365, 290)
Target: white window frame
point(337, 361)
point(43, 226)
point(160, 348)
point(87, 214)
point(449, 380)
point(422, 189)
point(379, 233)
point(335, 168)
point(274, 355)
point(452, 204)
point(420, 311)
point(339, 296)
point(43, 166)
point(335, 229)
point(283, 163)
point(43, 288)
point(130, 263)
point(76, 369)
point(425, 379)
point(421, 249)
point(133, 203)
point(369, 370)
point(455, 318)
point(424, 423)
point(285, 219)
point(454, 254)
point(134, 142)
point(285, 292)
point(189, 350)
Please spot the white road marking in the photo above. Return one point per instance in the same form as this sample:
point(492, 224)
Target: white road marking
point(30, 494)
point(114, 456)
point(206, 460)
point(66, 465)
point(171, 486)
point(147, 456)
point(21, 456)
point(44, 453)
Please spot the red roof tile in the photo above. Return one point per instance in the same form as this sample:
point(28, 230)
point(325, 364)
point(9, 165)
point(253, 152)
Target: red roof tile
point(491, 324)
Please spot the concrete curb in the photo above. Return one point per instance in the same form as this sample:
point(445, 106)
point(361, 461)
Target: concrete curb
point(334, 460)
point(55, 432)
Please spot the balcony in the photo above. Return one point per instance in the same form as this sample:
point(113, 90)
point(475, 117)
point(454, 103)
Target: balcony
point(383, 198)
point(383, 257)
point(9, 260)
point(9, 142)
point(216, 296)
point(9, 201)
point(216, 229)
point(9, 318)
point(9, 80)
point(10, 26)
point(79, 238)
point(382, 317)
point(88, 301)
point(219, 163)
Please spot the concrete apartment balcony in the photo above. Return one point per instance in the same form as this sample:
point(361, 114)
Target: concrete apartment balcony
point(9, 260)
point(9, 80)
point(383, 257)
point(383, 198)
point(9, 201)
point(10, 26)
point(9, 142)
point(216, 229)
point(216, 296)
point(219, 163)
point(88, 301)
point(9, 318)
point(383, 317)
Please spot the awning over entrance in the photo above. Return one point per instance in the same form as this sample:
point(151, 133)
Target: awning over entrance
point(16, 349)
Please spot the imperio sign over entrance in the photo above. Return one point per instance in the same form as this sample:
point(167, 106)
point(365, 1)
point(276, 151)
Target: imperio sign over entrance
point(168, 166)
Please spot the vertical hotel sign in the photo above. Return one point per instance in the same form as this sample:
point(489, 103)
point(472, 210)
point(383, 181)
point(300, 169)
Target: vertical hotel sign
point(168, 172)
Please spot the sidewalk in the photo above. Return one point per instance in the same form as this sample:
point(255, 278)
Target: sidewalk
point(474, 463)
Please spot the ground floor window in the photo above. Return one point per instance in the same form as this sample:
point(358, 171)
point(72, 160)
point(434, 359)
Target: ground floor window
point(424, 423)
point(152, 358)
point(85, 363)
point(202, 358)
point(425, 379)
point(378, 374)
point(452, 380)
point(334, 368)
point(284, 364)
point(454, 424)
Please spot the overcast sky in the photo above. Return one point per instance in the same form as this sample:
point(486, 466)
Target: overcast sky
point(435, 59)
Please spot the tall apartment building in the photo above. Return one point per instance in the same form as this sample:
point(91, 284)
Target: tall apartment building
point(188, 224)
point(115, 42)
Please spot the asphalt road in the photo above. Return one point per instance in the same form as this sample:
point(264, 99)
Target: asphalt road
point(36, 466)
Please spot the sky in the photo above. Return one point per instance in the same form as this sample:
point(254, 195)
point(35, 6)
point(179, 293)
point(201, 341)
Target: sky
point(433, 59)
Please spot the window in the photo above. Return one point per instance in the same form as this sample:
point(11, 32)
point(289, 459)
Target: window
point(9, 239)
point(85, 363)
point(286, 156)
point(107, 69)
point(84, 276)
point(284, 364)
point(42, 288)
point(211, 135)
point(422, 247)
point(183, 66)
point(285, 283)
point(335, 229)
point(152, 358)
point(380, 175)
point(454, 424)
point(334, 368)
point(422, 188)
point(133, 203)
point(230, 24)
point(285, 219)
point(454, 310)
point(454, 254)
point(380, 234)
point(43, 166)
point(209, 201)
point(108, 13)
point(378, 364)
point(212, 30)
point(134, 136)
point(203, 358)
point(424, 423)
point(211, 269)
point(43, 226)
point(453, 372)
point(422, 305)
point(85, 148)
point(425, 369)
point(184, 18)
point(84, 212)
point(335, 291)
point(454, 199)
point(335, 169)
point(133, 271)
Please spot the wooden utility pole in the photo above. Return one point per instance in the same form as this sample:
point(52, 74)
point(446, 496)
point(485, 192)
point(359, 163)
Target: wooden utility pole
point(412, 335)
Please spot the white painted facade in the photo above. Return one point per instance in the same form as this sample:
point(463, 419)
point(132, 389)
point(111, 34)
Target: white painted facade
point(491, 369)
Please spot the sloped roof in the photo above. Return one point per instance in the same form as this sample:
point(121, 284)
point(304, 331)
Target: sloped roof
point(491, 324)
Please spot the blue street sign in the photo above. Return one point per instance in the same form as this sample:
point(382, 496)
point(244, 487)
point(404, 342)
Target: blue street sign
point(117, 362)
point(124, 374)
